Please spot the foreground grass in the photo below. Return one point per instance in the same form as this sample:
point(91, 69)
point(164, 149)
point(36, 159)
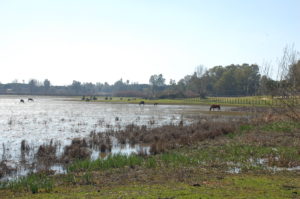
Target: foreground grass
point(252, 162)
point(231, 186)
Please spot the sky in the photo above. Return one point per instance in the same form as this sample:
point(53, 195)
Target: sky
point(106, 40)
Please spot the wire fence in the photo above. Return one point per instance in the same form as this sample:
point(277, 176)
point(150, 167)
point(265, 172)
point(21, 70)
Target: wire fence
point(260, 101)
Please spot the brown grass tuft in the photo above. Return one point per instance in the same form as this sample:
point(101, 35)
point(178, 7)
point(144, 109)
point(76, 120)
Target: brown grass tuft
point(77, 150)
point(46, 155)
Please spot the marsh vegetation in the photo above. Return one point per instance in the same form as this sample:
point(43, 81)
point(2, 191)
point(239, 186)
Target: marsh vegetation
point(181, 145)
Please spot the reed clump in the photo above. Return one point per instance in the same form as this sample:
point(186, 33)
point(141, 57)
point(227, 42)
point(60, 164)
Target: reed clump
point(24, 146)
point(100, 141)
point(46, 154)
point(6, 169)
point(78, 149)
point(172, 136)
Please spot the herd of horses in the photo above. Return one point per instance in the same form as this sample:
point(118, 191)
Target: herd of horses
point(29, 100)
point(212, 107)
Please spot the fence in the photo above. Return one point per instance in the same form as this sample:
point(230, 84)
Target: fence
point(258, 101)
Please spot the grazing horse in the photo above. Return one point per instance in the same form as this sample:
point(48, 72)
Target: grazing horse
point(142, 102)
point(30, 100)
point(155, 104)
point(22, 101)
point(213, 106)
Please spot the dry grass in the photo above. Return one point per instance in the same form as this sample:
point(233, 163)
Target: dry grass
point(77, 150)
point(46, 155)
point(6, 169)
point(172, 136)
point(100, 141)
point(24, 146)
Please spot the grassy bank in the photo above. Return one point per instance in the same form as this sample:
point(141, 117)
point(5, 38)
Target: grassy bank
point(233, 101)
point(256, 160)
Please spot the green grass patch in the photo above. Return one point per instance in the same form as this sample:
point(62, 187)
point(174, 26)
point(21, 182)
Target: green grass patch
point(176, 159)
point(258, 101)
point(239, 101)
point(281, 126)
point(112, 161)
point(246, 127)
point(34, 183)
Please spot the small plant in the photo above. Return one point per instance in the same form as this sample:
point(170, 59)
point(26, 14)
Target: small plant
point(46, 155)
point(112, 161)
point(33, 183)
point(77, 150)
point(10, 121)
point(158, 147)
point(150, 162)
point(24, 146)
point(70, 178)
point(5, 169)
point(246, 127)
point(231, 135)
point(88, 178)
point(151, 122)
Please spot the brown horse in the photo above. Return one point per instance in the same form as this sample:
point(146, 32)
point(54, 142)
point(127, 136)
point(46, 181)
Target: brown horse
point(22, 101)
point(213, 106)
point(155, 104)
point(142, 102)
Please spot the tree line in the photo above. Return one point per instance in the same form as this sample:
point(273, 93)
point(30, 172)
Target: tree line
point(231, 80)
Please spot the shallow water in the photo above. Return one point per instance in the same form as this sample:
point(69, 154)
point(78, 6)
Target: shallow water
point(61, 119)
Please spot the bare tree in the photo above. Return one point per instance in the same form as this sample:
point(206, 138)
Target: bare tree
point(287, 87)
point(200, 70)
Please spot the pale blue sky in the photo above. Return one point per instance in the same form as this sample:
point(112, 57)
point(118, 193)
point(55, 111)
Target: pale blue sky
point(98, 41)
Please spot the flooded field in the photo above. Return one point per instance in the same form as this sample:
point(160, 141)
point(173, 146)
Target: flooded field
point(60, 120)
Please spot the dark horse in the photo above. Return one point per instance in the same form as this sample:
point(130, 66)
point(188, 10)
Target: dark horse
point(22, 101)
point(155, 104)
point(213, 106)
point(142, 102)
point(30, 100)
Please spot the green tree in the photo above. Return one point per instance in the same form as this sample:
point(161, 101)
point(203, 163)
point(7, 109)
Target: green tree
point(294, 76)
point(32, 85)
point(47, 85)
point(157, 82)
point(76, 86)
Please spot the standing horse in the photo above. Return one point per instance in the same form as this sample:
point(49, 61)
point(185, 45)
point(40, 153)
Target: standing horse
point(22, 101)
point(213, 106)
point(155, 104)
point(142, 102)
point(30, 100)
